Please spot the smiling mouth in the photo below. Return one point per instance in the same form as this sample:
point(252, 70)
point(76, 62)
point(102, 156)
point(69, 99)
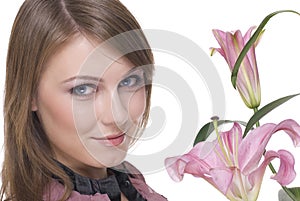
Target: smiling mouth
point(112, 140)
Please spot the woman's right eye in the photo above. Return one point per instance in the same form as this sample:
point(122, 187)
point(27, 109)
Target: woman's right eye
point(84, 90)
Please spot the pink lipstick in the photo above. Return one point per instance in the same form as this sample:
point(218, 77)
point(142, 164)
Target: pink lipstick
point(111, 140)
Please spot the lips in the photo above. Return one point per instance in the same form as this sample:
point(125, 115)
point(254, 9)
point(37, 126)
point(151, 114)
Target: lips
point(111, 140)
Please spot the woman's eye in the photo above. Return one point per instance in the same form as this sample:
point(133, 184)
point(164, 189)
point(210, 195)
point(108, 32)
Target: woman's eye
point(84, 90)
point(132, 81)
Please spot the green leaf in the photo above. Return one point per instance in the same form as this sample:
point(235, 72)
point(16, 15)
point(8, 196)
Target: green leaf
point(208, 128)
point(251, 41)
point(293, 193)
point(265, 110)
point(296, 192)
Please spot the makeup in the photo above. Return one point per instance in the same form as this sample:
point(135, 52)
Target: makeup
point(111, 140)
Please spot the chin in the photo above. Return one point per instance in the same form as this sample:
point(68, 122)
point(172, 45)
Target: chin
point(110, 161)
point(109, 158)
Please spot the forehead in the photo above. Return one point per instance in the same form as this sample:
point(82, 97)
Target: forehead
point(81, 56)
point(69, 56)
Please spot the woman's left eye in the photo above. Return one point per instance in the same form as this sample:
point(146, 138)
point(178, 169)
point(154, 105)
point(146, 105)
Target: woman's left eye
point(84, 90)
point(131, 81)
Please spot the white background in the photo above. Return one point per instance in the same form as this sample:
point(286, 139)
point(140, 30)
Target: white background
point(278, 59)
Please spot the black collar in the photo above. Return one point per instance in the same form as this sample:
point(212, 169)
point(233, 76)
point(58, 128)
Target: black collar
point(113, 185)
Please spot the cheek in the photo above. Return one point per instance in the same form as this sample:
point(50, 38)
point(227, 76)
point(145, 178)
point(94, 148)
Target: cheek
point(56, 114)
point(137, 104)
point(84, 116)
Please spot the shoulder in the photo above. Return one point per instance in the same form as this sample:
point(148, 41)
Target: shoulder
point(55, 191)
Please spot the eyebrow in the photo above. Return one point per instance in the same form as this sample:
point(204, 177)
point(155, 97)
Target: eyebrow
point(88, 77)
point(82, 77)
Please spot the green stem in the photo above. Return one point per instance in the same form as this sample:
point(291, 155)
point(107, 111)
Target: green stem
point(286, 190)
point(272, 168)
point(256, 110)
point(289, 193)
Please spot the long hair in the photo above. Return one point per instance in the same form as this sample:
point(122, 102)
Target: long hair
point(40, 28)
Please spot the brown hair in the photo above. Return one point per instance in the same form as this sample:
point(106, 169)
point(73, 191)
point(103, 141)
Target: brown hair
point(40, 28)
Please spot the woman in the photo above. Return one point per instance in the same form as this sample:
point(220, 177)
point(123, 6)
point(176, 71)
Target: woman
point(77, 95)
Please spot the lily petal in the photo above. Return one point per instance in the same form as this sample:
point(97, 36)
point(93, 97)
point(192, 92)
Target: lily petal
point(222, 178)
point(286, 173)
point(175, 167)
point(188, 163)
point(253, 145)
point(292, 128)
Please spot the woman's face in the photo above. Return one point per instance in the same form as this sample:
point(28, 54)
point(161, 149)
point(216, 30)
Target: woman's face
point(90, 104)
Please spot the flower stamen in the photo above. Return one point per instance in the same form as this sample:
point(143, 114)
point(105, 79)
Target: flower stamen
point(220, 142)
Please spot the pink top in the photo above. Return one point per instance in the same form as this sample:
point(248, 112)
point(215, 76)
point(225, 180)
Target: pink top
point(57, 190)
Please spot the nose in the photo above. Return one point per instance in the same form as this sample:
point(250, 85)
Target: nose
point(111, 110)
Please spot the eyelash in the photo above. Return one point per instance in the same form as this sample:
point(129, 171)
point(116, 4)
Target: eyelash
point(94, 88)
point(137, 82)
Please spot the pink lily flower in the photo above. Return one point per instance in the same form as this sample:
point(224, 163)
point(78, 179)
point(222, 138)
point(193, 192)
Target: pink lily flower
point(233, 164)
point(247, 84)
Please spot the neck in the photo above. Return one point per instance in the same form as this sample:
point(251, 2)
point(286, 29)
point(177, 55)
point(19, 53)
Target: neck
point(91, 172)
point(85, 170)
